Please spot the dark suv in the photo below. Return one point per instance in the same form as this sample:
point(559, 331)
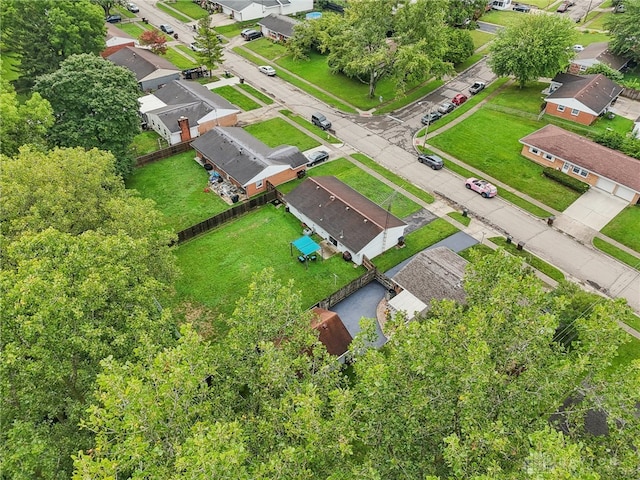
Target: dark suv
point(114, 18)
point(320, 121)
point(433, 161)
point(522, 8)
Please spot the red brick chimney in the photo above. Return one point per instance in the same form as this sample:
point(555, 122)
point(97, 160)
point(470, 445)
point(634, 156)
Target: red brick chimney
point(185, 132)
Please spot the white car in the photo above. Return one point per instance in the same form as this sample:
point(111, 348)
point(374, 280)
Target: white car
point(194, 46)
point(578, 48)
point(267, 70)
point(132, 7)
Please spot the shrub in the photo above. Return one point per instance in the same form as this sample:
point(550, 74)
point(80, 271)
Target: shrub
point(566, 180)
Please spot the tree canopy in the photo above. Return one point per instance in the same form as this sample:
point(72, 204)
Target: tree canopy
point(95, 104)
point(625, 30)
point(533, 46)
point(155, 40)
point(210, 47)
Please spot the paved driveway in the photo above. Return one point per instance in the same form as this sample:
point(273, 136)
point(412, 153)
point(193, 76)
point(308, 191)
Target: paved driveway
point(593, 209)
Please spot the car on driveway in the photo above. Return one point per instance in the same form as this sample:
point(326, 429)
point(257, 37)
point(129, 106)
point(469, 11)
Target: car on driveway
point(578, 48)
point(459, 99)
point(267, 70)
point(194, 46)
point(563, 7)
point(114, 18)
point(250, 34)
point(166, 28)
point(317, 157)
point(482, 187)
point(433, 161)
point(521, 8)
point(476, 87)
point(430, 117)
point(446, 107)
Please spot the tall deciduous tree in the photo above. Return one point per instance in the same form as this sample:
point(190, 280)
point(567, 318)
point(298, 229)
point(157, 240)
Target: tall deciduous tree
point(534, 46)
point(155, 40)
point(95, 104)
point(46, 32)
point(22, 123)
point(625, 30)
point(107, 5)
point(207, 40)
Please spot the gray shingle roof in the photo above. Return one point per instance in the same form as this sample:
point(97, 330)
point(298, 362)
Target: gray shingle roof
point(243, 156)
point(594, 91)
point(140, 61)
point(280, 24)
point(343, 213)
point(434, 274)
point(599, 53)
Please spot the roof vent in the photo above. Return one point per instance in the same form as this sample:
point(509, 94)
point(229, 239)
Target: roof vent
point(365, 220)
point(332, 197)
point(319, 205)
point(347, 208)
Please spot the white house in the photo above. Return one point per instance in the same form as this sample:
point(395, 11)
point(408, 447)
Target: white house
point(350, 221)
point(501, 4)
point(243, 10)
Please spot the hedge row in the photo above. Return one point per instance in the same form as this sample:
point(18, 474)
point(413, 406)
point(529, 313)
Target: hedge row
point(566, 180)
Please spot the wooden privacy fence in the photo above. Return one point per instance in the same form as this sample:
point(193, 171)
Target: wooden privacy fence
point(347, 290)
point(631, 93)
point(233, 212)
point(163, 153)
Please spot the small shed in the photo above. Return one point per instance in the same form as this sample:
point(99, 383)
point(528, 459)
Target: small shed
point(333, 334)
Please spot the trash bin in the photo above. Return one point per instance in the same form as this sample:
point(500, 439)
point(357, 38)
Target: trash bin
point(465, 212)
point(509, 239)
point(550, 220)
point(241, 79)
point(175, 35)
point(520, 245)
point(235, 198)
point(227, 74)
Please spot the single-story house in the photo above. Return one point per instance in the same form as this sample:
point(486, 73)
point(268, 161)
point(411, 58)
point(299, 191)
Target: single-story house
point(117, 39)
point(352, 223)
point(332, 332)
point(245, 161)
point(581, 98)
point(595, 54)
point(277, 27)
point(434, 274)
point(243, 10)
point(501, 4)
point(151, 70)
point(599, 166)
point(167, 108)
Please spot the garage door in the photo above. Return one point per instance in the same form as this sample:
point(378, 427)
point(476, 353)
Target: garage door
point(624, 192)
point(606, 185)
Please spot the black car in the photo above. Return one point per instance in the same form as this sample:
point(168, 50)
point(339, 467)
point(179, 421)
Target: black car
point(433, 161)
point(249, 35)
point(430, 117)
point(317, 157)
point(522, 8)
point(114, 18)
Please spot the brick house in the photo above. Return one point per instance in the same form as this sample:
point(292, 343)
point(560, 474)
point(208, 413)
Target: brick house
point(599, 166)
point(581, 98)
point(245, 161)
point(117, 39)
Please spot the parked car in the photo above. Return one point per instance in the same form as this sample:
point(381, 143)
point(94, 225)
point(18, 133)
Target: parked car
point(166, 28)
point(132, 7)
point(267, 70)
point(321, 121)
point(476, 87)
point(433, 161)
point(446, 107)
point(194, 46)
point(578, 48)
point(563, 7)
point(114, 18)
point(317, 157)
point(619, 8)
point(482, 187)
point(251, 35)
point(522, 8)
point(430, 117)
point(459, 99)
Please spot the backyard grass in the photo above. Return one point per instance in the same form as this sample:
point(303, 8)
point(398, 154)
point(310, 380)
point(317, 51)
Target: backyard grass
point(177, 185)
point(188, 8)
point(310, 126)
point(615, 252)
point(397, 179)
point(480, 38)
point(532, 260)
point(217, 276)
point(146, 142)
point(255, 93)
point(457, 216)
point(479, 248)
point(277, 131)
point(179, 60)
point(415, 242)
point(625, 227)
point(177, 15)
point(498, 154)
point(365, 184)
point(236, 97)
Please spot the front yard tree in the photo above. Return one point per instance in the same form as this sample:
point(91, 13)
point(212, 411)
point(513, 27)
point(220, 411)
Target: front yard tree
point(155, 40)
point(534, 46)
point(46, 32)
point(625, 30)
point(209, 43)
point(95, 104)
point(107, 5)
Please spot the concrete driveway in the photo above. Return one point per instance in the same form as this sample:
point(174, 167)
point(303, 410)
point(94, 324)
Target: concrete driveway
point(593, 210)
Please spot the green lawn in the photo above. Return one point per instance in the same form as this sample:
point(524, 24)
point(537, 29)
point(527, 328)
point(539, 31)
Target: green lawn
point(480, 38)
point(234, 29)
point(598, 22)
point(480, 248)
point(256, 93)
point(627, 353)
point(409, 97)
point(461, 67)
point(587, 37)
point(178, 59)
point(267, 48)
point(146, 142)
point(177, 186)
point(527, 99)
point(504, 17)
point(415, 242)
point(134, 29)
point(188, 7)
point(367, 185)
point(460, 218)
point(488, 141)
point(236, 97)
point(177, 15)
point(615, 252)
point(625, 227)
point(532, 260)
point(186, 50)
point(310, 126)
point(217, 276)
point(276, 132)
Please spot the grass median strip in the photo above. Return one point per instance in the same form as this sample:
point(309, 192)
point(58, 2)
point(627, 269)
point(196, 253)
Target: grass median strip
point(170, 11)
point(277, 131)
point(615, 252)
point(310, 126)
point(457, 216)
point(535, 262)
point(255, 93)
point(236, 97)
point(625, 227)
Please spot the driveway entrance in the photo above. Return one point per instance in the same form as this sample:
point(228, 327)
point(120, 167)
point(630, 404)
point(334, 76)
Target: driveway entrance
point(595, 208)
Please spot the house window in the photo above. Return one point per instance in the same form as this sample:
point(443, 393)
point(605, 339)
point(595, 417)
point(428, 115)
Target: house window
point(535, 151)
point(575, 112)
point(561, 108)
point(579, 171)
point(548, 156)
point(259, 184)
point(583, 68)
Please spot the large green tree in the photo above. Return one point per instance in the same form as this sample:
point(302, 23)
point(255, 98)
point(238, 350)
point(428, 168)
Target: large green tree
point(209, 45)
point(22, 123)
point(85, 272)
point(533, 46)
point(95, 104)
point(625, 30)
point(45, 32)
